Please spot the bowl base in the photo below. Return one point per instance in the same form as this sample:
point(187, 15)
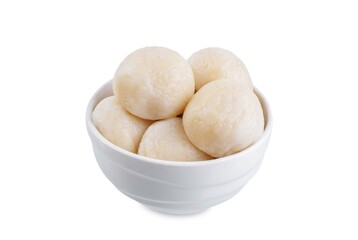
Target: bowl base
point(175, 212)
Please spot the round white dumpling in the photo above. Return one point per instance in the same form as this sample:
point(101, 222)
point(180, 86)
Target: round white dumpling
point(154, 83)
point(117, 125)
point(210, 64)
point(166, 140)
point(223, 118)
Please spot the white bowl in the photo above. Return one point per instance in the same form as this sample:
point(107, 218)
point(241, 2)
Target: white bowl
point(176, 187)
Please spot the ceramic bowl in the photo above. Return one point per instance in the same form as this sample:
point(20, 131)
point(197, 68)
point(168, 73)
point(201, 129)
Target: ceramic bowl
point(176, 187)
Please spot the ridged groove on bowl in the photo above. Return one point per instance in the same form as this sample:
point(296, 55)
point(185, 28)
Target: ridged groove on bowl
point(156, 191)
point(188, 208)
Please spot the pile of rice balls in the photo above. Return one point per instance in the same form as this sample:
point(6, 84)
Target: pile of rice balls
point(169, 108)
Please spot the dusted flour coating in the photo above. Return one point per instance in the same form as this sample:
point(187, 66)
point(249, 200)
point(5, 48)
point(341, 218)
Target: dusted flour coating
point(117, 125)
point(223, 118)
point(210, 64)
point(154, 83)
point(166, 140)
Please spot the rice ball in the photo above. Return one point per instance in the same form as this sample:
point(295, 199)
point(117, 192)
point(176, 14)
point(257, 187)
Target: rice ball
point(166, 140)
point(223, 118)
point(154, 83)
point(117, 125)
point(210, 64)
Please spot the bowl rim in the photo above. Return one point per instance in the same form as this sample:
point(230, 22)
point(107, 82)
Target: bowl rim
point(92, 130)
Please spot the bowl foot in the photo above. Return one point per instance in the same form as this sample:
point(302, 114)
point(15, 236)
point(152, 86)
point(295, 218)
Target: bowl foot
point(175, 211)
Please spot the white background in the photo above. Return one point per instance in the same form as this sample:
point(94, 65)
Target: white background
point(54, 55)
